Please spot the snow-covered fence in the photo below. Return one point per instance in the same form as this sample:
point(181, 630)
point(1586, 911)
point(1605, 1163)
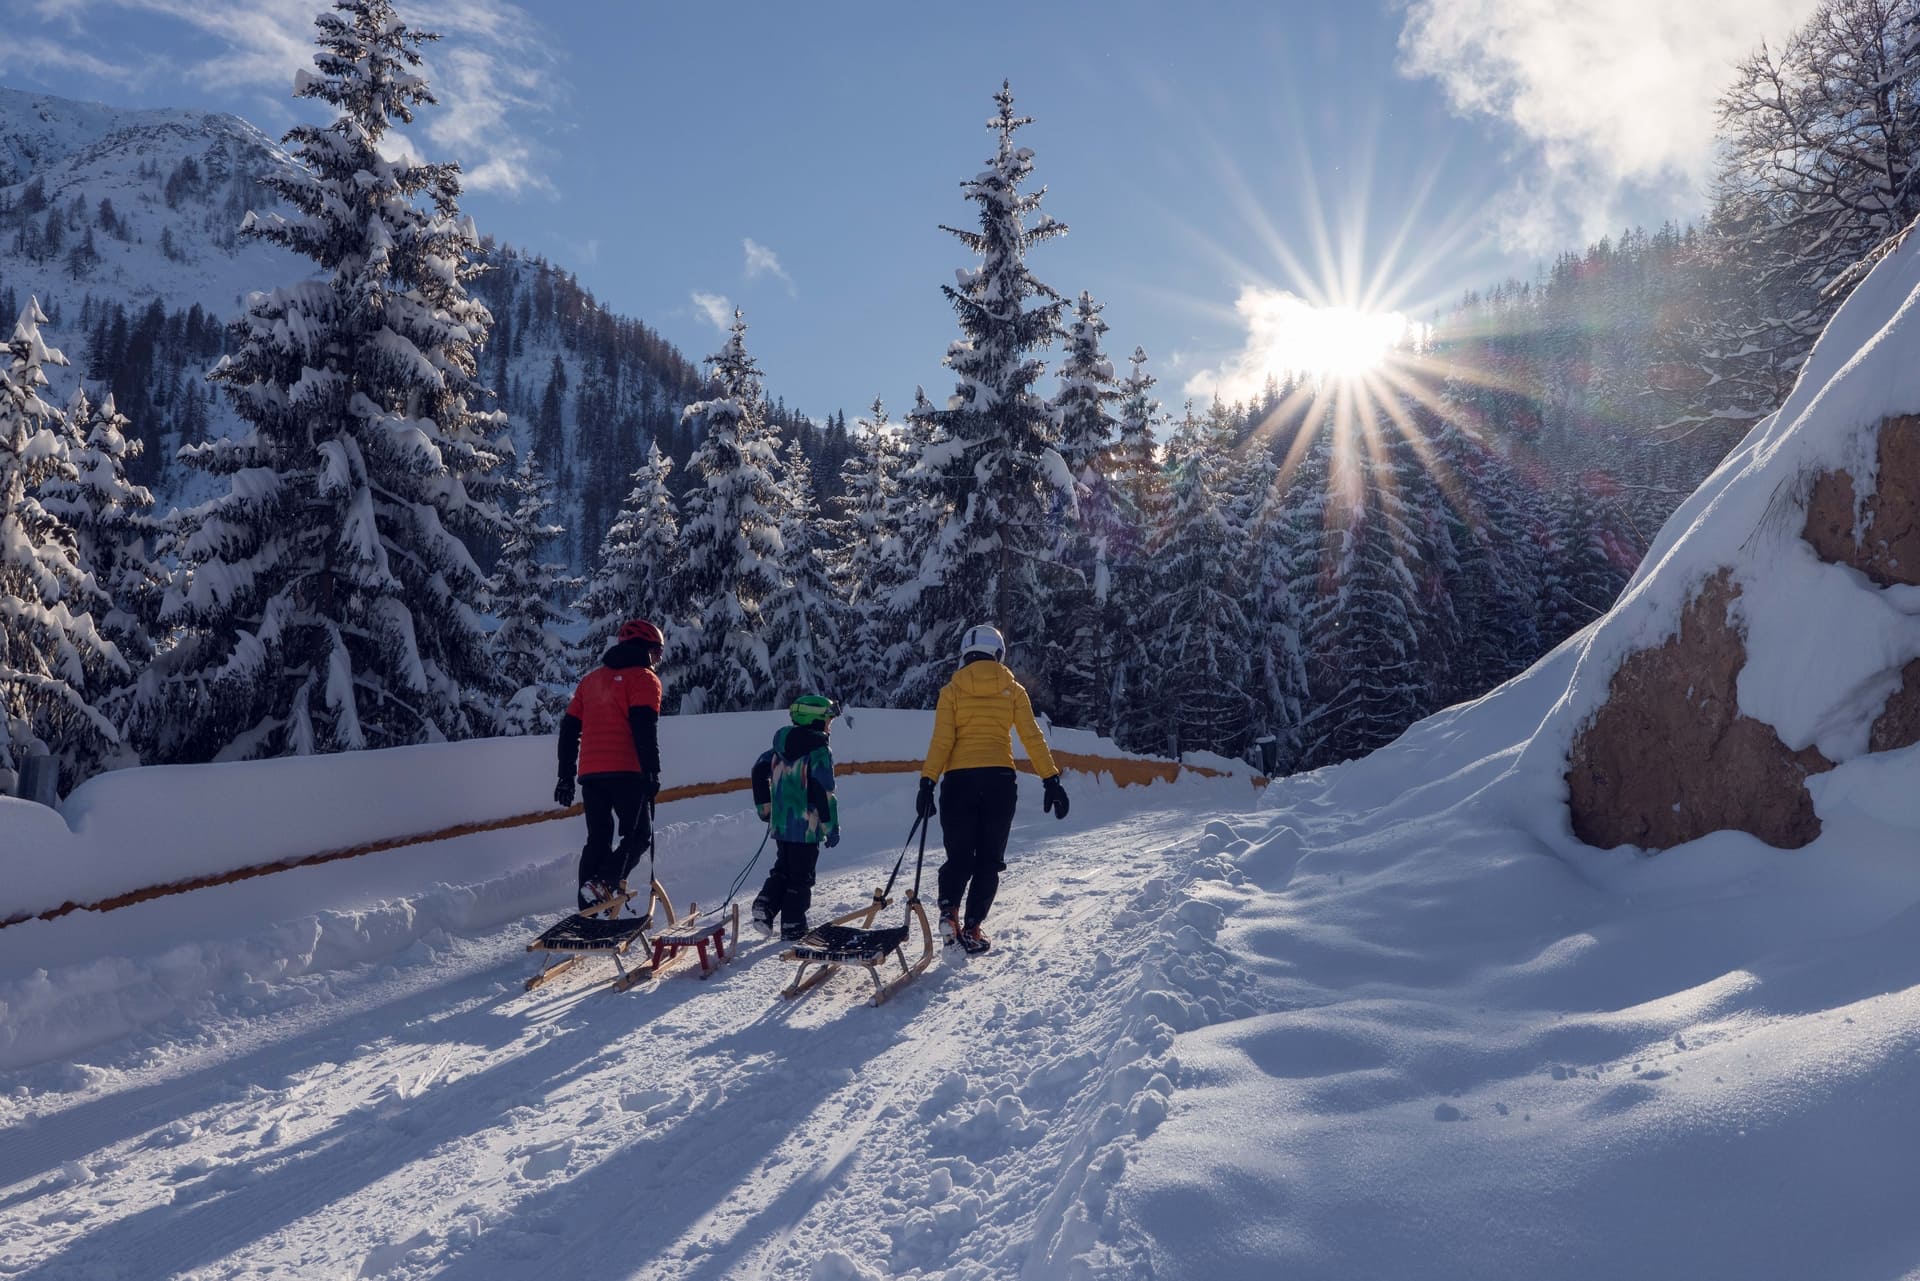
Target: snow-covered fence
point(133, 834)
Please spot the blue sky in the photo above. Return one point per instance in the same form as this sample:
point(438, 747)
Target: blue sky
point(1213, 160)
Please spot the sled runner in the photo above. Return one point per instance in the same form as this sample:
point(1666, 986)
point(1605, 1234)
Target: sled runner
point(840, 942)
point(582, 935)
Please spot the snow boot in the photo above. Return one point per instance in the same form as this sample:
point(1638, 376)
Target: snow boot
point(592, 894)
point(763, 917)
point(974, 941)
point(792, 932)
point(949, 925)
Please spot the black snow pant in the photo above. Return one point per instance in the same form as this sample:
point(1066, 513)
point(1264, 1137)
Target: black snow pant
point(610, 801)
point(788, 891)
point(976, 813)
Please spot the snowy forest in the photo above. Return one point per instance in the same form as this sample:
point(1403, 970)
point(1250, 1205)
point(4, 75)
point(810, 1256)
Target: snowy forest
point(371, 562)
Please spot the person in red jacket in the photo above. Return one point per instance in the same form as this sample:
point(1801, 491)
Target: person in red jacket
point(612, 732)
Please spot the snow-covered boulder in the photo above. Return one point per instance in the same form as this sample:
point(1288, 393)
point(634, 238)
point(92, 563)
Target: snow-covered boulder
point(1773, 631)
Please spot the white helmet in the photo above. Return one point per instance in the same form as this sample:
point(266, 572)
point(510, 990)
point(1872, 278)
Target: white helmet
point(983, 639)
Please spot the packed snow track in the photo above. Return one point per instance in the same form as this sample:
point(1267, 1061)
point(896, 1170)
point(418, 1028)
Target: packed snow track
point(313, 1075)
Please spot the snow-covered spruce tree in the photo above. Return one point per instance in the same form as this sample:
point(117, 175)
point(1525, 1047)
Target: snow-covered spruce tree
point(1201, 640)
point(731, 542)
point(112, 529)
point(53, 658)
point(1275, 580)
point(804, 617)
point(531, 658)
point(1137, 488)
point(998, 470)
point(918, 518)
point(639, 560)
point(1078, 655)
point(328, 598)
point(1364, 623)
point(868, 566)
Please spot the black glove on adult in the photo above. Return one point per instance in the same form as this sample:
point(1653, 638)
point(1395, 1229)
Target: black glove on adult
point(650, 787)
point(924, 806)
point(1056, 797)
point(563, 792)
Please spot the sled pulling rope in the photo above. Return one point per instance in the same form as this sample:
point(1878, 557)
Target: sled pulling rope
point(601, 929)
point(720, 931)
point(840, 942)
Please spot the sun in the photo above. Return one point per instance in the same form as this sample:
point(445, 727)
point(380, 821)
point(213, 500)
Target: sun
point(1332, 343)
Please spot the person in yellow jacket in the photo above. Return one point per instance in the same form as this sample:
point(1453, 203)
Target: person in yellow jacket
point(971, 757)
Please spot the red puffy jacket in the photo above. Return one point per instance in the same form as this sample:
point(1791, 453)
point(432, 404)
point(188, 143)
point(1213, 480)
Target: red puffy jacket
point(613, 721)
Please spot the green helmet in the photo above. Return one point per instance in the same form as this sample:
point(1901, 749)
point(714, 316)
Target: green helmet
point(812, 709)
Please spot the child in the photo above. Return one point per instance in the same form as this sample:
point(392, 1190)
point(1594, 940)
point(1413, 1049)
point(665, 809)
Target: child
point(971, 757)
point(612, 732)
point(801, 812)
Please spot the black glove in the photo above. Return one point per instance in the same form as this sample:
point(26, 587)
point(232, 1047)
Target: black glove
point(833, 838)
point(650, 788)
point(1056, 797)
point(924, 806)
point(563, 792)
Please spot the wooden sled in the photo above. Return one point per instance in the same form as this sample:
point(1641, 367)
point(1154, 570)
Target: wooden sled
point(841, 942)
point(722, 934)
point(601, 929)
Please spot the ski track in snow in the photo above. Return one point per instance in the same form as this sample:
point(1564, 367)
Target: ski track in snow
point(424, 1116)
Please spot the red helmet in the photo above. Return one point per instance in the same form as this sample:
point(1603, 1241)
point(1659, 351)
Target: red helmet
point(641, 630)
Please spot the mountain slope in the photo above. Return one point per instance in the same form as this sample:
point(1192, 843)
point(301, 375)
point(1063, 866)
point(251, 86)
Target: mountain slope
point(125, 225)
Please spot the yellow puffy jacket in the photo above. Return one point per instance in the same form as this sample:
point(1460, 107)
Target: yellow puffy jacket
point(974, 721)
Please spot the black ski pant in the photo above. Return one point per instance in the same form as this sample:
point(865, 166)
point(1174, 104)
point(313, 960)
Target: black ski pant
point(788, 891)
point(976, 813)
point(613, 802)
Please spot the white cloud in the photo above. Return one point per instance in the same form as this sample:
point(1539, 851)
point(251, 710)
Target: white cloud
point(763, 261)
point(1603, 94)
point(717, 308)
point(1286, 333)
point(38, 54)
point(491, 71)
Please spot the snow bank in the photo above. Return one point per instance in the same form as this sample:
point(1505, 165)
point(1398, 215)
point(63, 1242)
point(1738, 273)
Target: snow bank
point(134, 829)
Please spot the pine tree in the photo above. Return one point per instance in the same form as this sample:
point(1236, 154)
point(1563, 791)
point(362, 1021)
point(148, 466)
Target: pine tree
point(1079, 657)
point(638, 563)
point(112, 530)
point(868, 568)
point(1000, 476)
point(1275, 579)
point(53, 658)
point(329, 598)
point(731, 541)
point(530, 656)
point(1137, 488)
point(805, 619)
point(1364, 664)
point(918, 519)
point(1202, 640)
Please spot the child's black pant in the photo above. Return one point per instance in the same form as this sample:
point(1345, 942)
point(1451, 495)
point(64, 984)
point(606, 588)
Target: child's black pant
point(976, 814)
point(788, 891)
point(613, 801)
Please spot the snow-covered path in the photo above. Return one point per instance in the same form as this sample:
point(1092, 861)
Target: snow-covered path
point(418, 1114)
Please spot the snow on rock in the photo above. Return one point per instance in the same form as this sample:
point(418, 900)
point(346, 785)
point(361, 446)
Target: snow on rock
point(1794, 593)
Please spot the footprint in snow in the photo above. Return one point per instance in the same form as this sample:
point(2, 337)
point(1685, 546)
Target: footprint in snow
point(548, 1161)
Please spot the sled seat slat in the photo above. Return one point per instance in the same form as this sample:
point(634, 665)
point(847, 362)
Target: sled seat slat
point(843, 944)
point(590, 934)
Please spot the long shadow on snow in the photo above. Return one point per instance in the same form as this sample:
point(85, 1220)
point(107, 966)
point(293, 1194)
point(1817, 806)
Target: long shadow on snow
point(49, 1142)
point(658, 1188)
point(358, 1149)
